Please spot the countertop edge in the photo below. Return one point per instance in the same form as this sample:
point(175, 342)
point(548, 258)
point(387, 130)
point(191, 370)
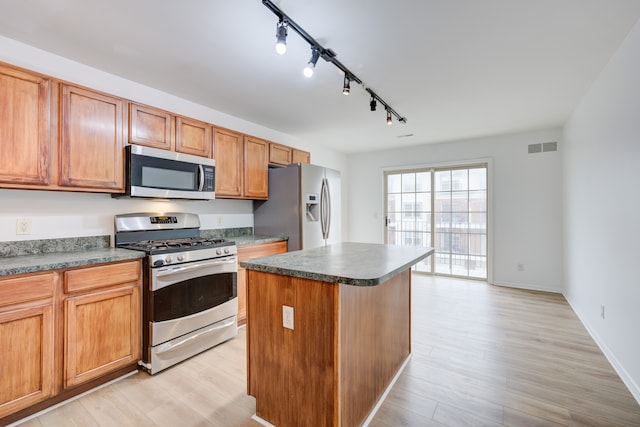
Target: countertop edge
point(60, 260)
point(254, 264)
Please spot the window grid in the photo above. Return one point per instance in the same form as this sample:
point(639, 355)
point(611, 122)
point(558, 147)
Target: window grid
point(445, 208)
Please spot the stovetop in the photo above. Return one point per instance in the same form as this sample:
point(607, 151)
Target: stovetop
point(169, 238)
point(176, 245)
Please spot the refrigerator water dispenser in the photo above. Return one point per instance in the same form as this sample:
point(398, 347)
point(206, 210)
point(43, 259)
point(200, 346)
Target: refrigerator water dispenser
point(313, 207)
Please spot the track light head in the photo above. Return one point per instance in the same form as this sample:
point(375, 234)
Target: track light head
point(308, 70)
point(346, 87)
point(373, 104)
point(281, 37)
point(389, 120)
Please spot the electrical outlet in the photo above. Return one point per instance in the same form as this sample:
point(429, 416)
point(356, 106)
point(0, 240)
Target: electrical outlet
point(520, 267)
point(287, 317)
point(219, 220)
point(602, 311)
point(23, 226)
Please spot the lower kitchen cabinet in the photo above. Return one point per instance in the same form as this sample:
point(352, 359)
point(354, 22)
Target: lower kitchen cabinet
point(102, 324)
point(247, 252)
point(26, 341)
point(65, 331)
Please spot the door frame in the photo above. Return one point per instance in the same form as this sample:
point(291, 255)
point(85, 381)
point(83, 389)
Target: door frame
point(453, 164)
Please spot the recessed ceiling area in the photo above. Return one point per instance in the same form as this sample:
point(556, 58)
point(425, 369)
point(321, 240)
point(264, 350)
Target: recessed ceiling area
point(454, 68)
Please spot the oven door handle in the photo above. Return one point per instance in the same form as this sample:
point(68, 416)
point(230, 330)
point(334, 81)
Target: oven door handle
point(194, 267)
point(169, 347)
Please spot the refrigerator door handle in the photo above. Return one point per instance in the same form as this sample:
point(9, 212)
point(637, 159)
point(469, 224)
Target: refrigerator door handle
point(325, 208)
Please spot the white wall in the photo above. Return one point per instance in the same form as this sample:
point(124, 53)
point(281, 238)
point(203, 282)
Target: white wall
point(525, 191)
point(602, 210)
point(63, 214)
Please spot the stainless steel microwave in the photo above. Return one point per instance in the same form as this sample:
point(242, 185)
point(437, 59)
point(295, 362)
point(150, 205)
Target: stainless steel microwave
point(155, 173)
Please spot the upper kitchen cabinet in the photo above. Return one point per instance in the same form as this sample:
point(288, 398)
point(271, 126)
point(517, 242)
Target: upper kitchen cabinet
point(256, 168)
point(193, 137)
point(151, 127)
point(279, 154)
point(242, 165)
point(91, 140)
point(160, 129)
point(282, 155)
point(299, 156)
point(24, 127)
point(228, 146)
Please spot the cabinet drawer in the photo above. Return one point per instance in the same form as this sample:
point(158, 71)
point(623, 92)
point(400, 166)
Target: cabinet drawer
point(16, 290)
point(89, 278)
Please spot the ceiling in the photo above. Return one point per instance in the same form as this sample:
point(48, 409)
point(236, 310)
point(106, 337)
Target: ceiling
point(454, 68)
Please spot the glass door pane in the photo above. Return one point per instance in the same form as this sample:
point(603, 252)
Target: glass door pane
point(408, 211)
point(445, 208)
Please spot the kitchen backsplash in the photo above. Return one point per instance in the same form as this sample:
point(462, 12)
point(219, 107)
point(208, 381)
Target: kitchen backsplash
point(75, 244)
point(71, 244)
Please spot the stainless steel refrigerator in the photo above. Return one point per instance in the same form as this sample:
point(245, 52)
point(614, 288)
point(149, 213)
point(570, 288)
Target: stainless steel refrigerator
point(304, 204)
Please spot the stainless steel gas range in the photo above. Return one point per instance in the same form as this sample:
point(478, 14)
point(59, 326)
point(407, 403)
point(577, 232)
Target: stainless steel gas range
point(190, 293)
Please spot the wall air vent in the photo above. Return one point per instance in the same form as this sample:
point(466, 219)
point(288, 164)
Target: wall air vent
point(543, 147)
point(535, 148)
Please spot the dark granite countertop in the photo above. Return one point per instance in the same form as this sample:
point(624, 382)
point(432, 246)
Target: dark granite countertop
point(51, 254)
point(57, 260)
point(357, 264)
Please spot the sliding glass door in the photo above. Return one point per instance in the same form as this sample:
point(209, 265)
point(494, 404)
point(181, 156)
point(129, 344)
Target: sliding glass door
point(445, 208)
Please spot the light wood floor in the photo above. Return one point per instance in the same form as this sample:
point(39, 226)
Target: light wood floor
point(482, 356)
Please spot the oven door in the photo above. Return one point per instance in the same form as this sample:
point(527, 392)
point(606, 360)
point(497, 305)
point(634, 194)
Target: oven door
point(190, 296)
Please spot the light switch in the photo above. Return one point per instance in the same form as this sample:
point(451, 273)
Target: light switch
point(287, 317)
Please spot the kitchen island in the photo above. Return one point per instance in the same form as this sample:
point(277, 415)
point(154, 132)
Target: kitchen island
point(327, 331)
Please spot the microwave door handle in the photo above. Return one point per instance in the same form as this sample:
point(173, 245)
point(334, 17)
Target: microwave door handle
point(201, 186)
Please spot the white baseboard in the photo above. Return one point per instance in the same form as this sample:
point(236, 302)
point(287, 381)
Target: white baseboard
point(529, 287)
point(617, 366)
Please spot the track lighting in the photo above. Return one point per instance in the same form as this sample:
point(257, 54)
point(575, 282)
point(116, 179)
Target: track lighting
point(346, 87)
point(308, 70)
point(317, 51)
point(281, 37)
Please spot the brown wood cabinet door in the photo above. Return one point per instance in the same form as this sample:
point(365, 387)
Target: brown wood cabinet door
point(91, 140)
point(279, 154)
point(256, 168)
point(229, 162)
point(247, 252)
point(102, 333)
point(24, 127)
point(26, 357)
point(193, 137)
point(151, 127)
point(299, 156)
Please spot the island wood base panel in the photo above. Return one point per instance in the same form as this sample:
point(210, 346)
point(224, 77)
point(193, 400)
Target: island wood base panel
point(347, 344)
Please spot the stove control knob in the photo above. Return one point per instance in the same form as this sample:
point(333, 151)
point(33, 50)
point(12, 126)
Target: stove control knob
point(168, 259)
point(218, 252)
point(180, 257)
point(158, 263)
point(226, 250)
